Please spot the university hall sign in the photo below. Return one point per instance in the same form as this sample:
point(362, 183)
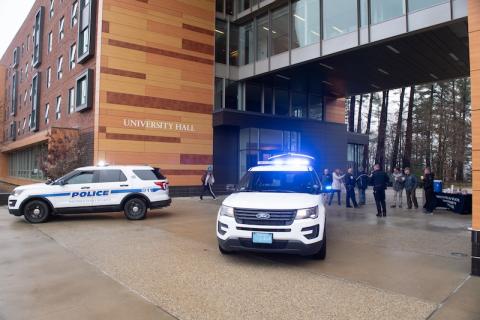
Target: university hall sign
point(158, 125)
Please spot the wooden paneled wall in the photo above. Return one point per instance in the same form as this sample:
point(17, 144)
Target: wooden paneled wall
point(474, 39)
point(155, 98)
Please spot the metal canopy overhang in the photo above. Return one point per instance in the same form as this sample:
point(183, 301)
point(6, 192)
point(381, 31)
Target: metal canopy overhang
point(424, 56)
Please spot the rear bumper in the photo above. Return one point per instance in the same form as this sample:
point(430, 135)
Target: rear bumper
point(160, 204)
point(278, 246)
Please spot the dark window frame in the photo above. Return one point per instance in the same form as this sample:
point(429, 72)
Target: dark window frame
point(14, 93)
point(15, 57)
point(35, 124)
point(88, 74)
point(38, 35)
point(86, 11)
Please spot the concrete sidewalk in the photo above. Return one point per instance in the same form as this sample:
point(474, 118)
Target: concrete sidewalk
point(407, 266)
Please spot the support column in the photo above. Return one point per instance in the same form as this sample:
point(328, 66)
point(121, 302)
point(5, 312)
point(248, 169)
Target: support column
point(474, 45)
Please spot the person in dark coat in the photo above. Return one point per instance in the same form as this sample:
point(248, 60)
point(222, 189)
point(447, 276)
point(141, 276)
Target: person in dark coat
point(350, 181)
point(379, 180)
point(326, 180)
point(430, 202)
point(362, 184)
point(411, 184)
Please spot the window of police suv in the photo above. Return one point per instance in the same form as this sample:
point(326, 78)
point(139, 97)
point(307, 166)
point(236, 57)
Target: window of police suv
point(279, 181)
point(149, 175)
point(112, 175)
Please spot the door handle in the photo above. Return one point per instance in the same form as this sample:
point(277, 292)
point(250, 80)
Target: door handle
point(83, 188)
point(124, 185)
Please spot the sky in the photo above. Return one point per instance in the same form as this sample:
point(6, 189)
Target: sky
point(12, 15)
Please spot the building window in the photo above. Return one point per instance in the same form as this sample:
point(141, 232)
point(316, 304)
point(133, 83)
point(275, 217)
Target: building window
point(383, 10)
point(26, 162)
point(14, 94)
point(231, 95)
point(339, 17)
point(74, 13)
point(13, 130)
point(279, 30)
point(26, 71)
point(60, 68)
point(84, 94)
point(218, 93)
point(229, 7)
point(414, 5)
point(49, 77)
point(282, 102)
point(28, 42)
point(24, 124)
point(262, 37)
point(299, 105)
point(253, 97)
point(37, 39)
point(85, 30)
point(267, 100)
point(50, 42)
point(220, 42)
point(61, 28)
point(233, 44)
point(355, 155)
point(58, 108)
point(305, 23)
point(219, 6)
point(71, 100)
point(15, 57)
point(47, 110)
point(35, 96)
point(315, 107)
point(363, 13)
point(52, 5)
point(73, 50)
point(246, 43)
point(243, 5)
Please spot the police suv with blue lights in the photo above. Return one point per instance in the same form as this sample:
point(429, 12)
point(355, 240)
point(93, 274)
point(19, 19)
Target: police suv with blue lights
point(277, 207)
point(132, 189)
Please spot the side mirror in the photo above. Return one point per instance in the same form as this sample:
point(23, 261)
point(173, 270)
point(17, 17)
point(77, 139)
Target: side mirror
point(61, 182)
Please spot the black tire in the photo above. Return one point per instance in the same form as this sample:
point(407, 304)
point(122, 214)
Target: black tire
point(36, 211)
point(135, 209)
point(322, 253)
point(223, 251)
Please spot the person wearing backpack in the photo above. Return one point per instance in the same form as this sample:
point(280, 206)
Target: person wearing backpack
point(207, 181)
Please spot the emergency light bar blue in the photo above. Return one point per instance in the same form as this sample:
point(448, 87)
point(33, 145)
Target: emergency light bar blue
point(289, 159)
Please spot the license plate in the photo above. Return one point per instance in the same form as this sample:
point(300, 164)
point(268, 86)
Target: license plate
point(260, 237)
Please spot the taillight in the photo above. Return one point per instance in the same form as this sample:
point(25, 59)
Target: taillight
point(162, 184)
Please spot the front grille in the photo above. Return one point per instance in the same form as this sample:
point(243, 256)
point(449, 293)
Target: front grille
point(277, 244)
point(277, 217)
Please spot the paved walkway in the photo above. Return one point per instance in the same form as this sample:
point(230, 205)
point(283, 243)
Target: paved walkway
point(407, 266)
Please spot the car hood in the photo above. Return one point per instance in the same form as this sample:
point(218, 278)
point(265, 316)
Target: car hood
point(31, 186)
point(272, 201)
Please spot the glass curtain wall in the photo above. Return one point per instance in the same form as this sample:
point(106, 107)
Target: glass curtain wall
point(339, 17)
point(279, 30)
point(220, 41)
point(262, 37)
point(383, 10)
point(414, 5)
point(253, 97)
point(363, 13)
point(305, 23)
point(218, 93)
point(26, 163)
point(246, 44)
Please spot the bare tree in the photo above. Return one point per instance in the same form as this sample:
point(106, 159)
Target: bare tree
point(407, 154)
point(351, 115)
point(382, 128)
point(398, 132)
point(359, 120)
point(366, 161)
point(428, 133)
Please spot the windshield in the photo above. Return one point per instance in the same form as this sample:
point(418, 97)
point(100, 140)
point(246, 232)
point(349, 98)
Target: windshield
point(279, 181)
point(65, 177)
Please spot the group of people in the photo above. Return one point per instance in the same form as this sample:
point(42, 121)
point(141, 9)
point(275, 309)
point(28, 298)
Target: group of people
point(379, 180)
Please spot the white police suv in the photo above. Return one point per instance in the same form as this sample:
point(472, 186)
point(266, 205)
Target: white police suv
point(132, 189)
point(277, 207)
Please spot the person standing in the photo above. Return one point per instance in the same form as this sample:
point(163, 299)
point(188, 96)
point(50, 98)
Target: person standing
point(362, 184)
point(350, 186)
point(411, 184)
point(336, 186)
point(326, 180)
point(207, 181)
point(429, 193)
point(379, 180)
point(398, 186)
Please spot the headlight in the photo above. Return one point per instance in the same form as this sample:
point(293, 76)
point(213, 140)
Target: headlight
point(307, 213)
point(16, 192)
point(226, 211)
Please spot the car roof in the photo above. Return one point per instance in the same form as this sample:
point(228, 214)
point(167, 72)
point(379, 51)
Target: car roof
point(117, 167)
point(283, 167)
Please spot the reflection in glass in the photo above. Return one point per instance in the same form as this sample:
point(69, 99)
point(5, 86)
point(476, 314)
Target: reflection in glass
point(218, 93)
point(299, 105)
point(363, 13)
point(219, 6)
point(280, 30)
point(340, 17)
point(253, 97)
point(246, 43)
point(383, 10)
point(231, 95)
point(414, 5)
point(315, 107)
point(233, 45)
point(305, 23)
point(262, 38)
point(220, 42)
point(282, 102)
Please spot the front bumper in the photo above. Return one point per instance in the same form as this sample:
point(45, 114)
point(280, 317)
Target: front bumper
point(14, 206)
point(278, 246)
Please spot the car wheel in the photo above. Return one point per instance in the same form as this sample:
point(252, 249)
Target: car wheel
point(36, 211)
point(135, 209)
point(223, 251)
point(322, 253)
